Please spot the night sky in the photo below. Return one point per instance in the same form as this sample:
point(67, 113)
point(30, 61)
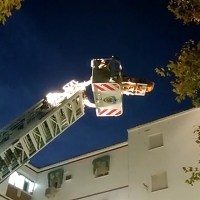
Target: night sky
point(50, 42)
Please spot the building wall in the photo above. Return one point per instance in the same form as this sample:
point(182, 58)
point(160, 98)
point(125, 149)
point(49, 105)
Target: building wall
point(177, 150)
point(84, 185)
point(27, 172)
point(3, 187)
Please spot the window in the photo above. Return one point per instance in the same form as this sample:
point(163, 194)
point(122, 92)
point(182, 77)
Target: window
point(155, 141)
point(55, 178)
point(21, 182)
point(68, 177)
point(159, 182)
point(101, 166)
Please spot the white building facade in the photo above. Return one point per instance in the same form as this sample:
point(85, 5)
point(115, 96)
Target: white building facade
point(146, 167)
point(157, 153)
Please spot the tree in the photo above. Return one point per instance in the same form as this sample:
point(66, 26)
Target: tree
point(6, 6)
point(186, 10)
point(185, 71)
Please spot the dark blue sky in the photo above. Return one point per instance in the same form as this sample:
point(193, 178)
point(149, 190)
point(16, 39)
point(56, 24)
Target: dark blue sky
point(50, 42)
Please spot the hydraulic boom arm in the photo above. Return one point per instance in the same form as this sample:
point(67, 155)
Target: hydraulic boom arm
point(35, 129)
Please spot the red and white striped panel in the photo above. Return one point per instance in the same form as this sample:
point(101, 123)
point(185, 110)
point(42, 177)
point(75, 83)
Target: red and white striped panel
point(106, 86)
point(110, 112)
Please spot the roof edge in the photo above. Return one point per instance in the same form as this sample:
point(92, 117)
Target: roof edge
point(75, 159)
point(162, 119)
point(33, 168)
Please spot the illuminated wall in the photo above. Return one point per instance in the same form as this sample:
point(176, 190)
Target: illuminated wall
point(90, 177)
point(157, 153)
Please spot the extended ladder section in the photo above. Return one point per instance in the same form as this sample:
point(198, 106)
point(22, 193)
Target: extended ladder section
point(37, 127)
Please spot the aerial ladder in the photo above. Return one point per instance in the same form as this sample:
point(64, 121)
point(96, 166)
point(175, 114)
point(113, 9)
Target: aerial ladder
point(42, 123)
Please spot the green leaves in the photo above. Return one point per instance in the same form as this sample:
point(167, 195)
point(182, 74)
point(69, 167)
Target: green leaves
point(6, 6)
point(161, 71)
point(194, 171)
point(185, 71)
point(195, 176)
point(186, 10)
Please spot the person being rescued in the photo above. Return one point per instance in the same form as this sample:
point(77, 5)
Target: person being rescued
point(132, 85)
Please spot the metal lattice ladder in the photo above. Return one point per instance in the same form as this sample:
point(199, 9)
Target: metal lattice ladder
point(31, 132)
